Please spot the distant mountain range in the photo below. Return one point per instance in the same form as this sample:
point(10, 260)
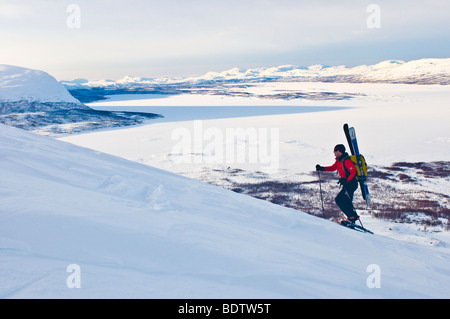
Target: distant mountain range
point(424, 71)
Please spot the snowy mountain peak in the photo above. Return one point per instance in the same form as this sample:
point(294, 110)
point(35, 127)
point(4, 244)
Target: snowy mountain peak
point(389, 63)
point(317, 67)
point(134, 79)
point(22, 84)
point(34, 100)
point(129, 78)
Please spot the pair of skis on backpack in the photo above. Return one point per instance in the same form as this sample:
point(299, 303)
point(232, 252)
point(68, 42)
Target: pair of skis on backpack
point(361, 168)
point(359, 161)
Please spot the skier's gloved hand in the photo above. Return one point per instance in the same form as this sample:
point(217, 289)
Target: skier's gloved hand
point(342, 181)
point(320, 168)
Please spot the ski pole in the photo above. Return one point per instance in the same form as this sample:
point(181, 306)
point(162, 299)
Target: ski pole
point(321, 197)
point(360, 222)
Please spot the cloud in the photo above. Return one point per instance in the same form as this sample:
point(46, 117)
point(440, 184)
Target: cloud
point(158, 34)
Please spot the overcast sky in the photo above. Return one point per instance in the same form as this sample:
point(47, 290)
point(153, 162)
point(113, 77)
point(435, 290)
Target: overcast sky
point(110, 39)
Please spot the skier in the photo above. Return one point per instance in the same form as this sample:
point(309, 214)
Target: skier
point(347, 172)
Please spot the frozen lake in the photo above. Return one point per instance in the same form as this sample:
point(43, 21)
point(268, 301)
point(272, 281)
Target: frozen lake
point(190, 113)
point(394, 122)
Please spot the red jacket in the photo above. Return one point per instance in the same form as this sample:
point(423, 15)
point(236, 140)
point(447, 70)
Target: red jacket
point(349, 172)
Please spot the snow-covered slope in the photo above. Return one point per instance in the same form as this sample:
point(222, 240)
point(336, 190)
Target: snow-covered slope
point(423, 71)
point(136, 231)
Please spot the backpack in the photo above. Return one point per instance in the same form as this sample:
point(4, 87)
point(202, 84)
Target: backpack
point(359, 175)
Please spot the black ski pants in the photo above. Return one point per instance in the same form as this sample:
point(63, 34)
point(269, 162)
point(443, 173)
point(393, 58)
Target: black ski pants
point(345, 198)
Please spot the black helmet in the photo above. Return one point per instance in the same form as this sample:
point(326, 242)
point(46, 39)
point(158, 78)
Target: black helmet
point(340, 148)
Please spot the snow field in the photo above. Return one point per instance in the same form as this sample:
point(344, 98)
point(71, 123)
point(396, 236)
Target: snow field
point(139, 232)
point(136, 231)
